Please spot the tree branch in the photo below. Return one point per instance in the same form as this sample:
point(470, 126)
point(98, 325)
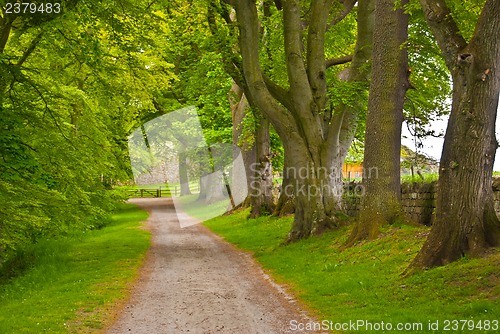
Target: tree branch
point(338, 61)
point(278, 92)
point(348, 5)
point(47, 108)
point(307, 85)
point(343, 125)
point(232, 64)
point(246, 13)
point(445, 29)
point(234, 69)
point(6, 26)
point(487, 36)
point(297, 74)
point(316, 64)
point(30, 49)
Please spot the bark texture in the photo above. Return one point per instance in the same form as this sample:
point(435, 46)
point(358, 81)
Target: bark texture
point(183, 174)
point(261, 184)
point(465, 220)
point(313, 140)
point(381, 202)
point(256, 156)
point(239, 110)
point(5, 30)
point(286, 200)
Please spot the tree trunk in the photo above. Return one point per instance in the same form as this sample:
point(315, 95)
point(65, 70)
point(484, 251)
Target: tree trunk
point(314, 141)
point(381, 202)
point(211, 188)
point(239, 109)
point(256, 154)
point(5, 30)
point(465, 219)
point(261, 183)
point(316, 191)
point(286, 200)
point(202, 195)
point(215, 187)
point(205, 169)
point(183, 174)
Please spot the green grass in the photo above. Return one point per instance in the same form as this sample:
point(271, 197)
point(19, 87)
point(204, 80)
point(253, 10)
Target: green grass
point(365, 282)
point(166, 192)
point(189, 205)
point(422, 178)
point(71, 284)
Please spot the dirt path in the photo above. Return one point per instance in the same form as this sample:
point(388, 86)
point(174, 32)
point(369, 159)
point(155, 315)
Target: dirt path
point(194, 282)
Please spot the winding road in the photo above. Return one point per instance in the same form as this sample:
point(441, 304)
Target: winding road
point(195, 282)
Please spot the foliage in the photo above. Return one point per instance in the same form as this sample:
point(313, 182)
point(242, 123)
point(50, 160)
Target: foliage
point(355, 153)
point(202, 80)
point(466, 14)
point(72, 89)
point(64, 288)
point(247, 139)
point(428, 97)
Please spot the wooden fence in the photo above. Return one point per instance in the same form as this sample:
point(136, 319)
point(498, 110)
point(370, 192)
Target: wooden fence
point(160, 192)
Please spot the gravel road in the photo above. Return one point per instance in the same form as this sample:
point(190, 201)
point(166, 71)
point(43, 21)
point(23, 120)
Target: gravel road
point(195, 282)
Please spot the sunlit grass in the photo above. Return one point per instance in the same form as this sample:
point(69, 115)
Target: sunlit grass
point(199, 209)
point(365, 282)
point(420, 178)
point(150, 190)
point(70, 284)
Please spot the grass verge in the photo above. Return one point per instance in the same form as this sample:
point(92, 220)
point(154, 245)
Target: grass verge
point(202, 211)
point(70, 284)
point(365, 282)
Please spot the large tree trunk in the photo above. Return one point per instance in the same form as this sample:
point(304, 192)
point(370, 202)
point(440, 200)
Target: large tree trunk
point(183, 174)
point(381, 202)
point(256, 155)
point(239, 110)
point(465, 220)
point(261, 183)
point(286, 200)
point(317, 191)
point(211, 186)
point(5, 30)
point(314, 141)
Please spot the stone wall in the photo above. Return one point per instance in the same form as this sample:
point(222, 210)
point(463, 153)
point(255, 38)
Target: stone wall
point(418, 200)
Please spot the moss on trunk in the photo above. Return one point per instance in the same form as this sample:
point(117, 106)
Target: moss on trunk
point(380, 204)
